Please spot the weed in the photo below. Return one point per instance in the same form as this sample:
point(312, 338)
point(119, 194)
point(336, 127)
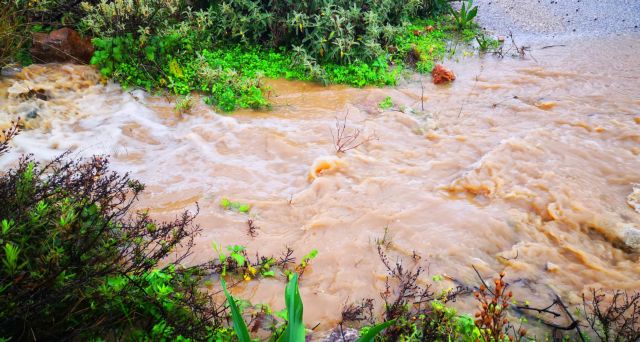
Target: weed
point(464, 17)
point(486, 43)
point(386, 103)
point(184, 104)
point(236, 206)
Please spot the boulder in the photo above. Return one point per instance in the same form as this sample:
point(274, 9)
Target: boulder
point(63, 45)
point(441, 74)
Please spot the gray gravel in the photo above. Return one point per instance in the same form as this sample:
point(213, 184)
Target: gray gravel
point(556, 18)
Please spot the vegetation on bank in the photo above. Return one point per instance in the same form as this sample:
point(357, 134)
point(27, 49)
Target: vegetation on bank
point(225, 48)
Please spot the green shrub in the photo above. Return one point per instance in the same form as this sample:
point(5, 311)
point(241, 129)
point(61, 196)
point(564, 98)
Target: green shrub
point(79, 263)
point(334, 31)
point(143, 17)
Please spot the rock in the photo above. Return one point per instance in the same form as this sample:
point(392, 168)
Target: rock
point(63, 45)
point(32, 114)
point(551, 267)
point(27, 110)
point(39, 94)
point(10, 71)
point(633, 200)
point(347, 335)
point(441, 74)
point(631, 237)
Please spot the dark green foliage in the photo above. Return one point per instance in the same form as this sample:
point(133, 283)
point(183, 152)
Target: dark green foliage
point(334, 31)
point(78, 263)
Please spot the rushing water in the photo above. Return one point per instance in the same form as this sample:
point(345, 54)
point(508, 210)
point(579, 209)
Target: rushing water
point(519, 165)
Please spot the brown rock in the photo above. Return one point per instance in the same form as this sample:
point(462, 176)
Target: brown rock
point(63, 45)
point(441, 74)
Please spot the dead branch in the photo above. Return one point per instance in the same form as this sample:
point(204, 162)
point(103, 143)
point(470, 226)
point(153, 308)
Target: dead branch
point(345, 139)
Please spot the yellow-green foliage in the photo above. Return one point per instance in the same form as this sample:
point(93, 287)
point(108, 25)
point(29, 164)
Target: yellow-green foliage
point(145, 17)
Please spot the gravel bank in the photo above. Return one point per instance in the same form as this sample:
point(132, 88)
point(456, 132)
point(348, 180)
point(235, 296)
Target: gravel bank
point(559, 18)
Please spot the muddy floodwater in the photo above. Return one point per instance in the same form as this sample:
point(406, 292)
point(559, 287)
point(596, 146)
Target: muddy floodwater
point(522, 166)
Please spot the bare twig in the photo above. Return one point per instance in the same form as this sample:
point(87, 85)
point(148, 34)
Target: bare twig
point(482, 280)
point(346, 139)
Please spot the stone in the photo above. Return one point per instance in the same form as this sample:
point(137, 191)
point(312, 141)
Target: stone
point(33, 114)
point(63, 45)
point(347, 335)
point(551, 267)
point(631, 237)
point(441, 74)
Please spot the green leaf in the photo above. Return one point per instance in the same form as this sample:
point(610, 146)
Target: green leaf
point(270, 273)
point(374, 331)
point(239, 258)
point(472, 14)
point(239, 326)
point(295, 327)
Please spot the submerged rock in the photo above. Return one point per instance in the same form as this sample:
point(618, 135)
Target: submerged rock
point(63, 45)
point(630, 236)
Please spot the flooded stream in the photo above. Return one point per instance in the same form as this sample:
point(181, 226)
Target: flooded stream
point(519, 165)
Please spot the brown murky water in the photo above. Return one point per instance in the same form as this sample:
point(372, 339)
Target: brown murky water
point(521, 166)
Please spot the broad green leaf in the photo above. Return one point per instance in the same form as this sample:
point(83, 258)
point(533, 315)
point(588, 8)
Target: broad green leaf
point(295, 327)
point(374, 331)
point(239, 326)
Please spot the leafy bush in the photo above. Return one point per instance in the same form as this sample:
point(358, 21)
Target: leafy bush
point(332, 31)
point(144, 17)
point(79, 264)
